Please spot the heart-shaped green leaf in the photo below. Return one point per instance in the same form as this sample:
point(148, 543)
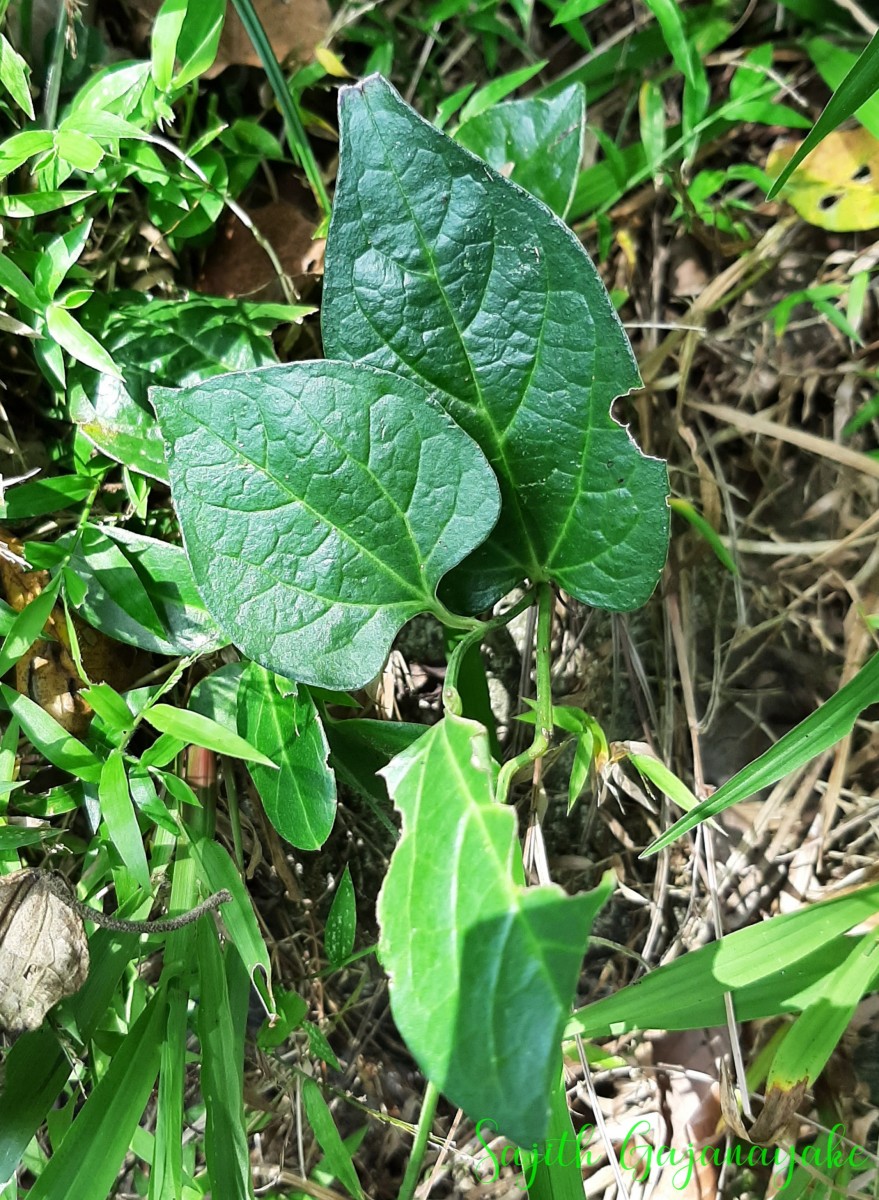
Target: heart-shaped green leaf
point(482, 969)
point(320, 505)
point(441, 270)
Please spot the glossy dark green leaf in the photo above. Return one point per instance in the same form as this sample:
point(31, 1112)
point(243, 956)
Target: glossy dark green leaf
point(41, 496)
point(320, 505)
point(482, 969)
point(169, 342)
point(163, 571)
point(359, 749)
point(441, 270)
point(538, 143)
point(300, 797)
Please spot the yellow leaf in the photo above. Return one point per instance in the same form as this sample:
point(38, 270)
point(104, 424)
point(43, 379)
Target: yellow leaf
point(331, 63)
point(837, 185)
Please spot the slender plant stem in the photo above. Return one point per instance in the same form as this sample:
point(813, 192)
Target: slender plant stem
point(543, 678)
point(451, 699)
point(419, 1145)
point(299, 145)
point(60, 888)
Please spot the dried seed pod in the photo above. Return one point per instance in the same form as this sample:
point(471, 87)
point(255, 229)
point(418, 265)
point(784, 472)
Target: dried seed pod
point(44, 954)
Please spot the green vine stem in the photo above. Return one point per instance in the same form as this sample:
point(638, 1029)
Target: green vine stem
point(451, 699)
point(419, 1145)
point(543, 713)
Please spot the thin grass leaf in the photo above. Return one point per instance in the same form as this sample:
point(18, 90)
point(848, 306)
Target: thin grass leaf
point(226, 1148)
point(193, 728)
point(86, 1164)
point(61, 748)
point(336, 1155)
point(821, 730)
point(118, 812)
point(859, 85)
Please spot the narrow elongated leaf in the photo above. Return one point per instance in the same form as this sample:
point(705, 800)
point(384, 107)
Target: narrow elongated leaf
point(202, 731)
point(859, 85)
point(320, 504)
point(222, 1081)
point(87, 1162)
point(538, 143)
point(27, 626)
point(42, 496)
point(37, 1067)
point(78, 342)
point(820, 730)
point(482, 969)
point(217, 871)
point(14, 75)
point(146, 596)
point(341, 922)
point(814, 1036)
point(441, 270)
point(61, 748)
point(336, 1155)
point(118, 811)
point(688, 993)
point(300, 797)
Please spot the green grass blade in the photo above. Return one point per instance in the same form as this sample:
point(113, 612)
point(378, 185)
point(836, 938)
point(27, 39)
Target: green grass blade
point(28, 626)
point(688, 993)
point(222, 1084)
point(858, 86)
point(87, 1162)
point(824, 727)
point(117, 810)
point(61, 748)
point(299, 145)
point(813, 1037)
point(166, 1176)
point(336, 1156)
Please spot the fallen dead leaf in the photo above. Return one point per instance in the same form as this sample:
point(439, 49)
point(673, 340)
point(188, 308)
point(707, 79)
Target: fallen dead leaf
point(46, 672)
point(44, 955)
point(237, 266)
point(294, 29)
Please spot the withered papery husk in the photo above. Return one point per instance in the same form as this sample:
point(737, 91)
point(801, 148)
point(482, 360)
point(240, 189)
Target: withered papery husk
point(44, 954)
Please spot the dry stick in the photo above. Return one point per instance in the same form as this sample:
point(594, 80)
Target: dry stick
point(699, 781)
point(843, 456)
point(60, 888)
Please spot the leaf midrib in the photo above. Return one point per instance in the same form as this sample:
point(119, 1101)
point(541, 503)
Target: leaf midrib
point(499, 444)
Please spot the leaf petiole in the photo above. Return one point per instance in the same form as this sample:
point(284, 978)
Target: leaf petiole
point(543, 712)
point(451, 699)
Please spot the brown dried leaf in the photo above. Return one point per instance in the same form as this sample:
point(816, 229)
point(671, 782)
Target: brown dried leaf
point(293, 27)
point(44, 954)
point(47, 672)
point(236, 265)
